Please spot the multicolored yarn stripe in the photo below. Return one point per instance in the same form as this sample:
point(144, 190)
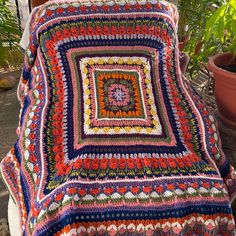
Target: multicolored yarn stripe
point(112, 141)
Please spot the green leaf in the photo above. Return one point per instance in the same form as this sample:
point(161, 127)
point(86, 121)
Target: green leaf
point(215, 23)
point(233, 4)
point(219, 33)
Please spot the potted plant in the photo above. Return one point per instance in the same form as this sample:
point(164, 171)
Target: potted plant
point(184, 8)
point(221, 31)
point(192, 17)
point(10, 54)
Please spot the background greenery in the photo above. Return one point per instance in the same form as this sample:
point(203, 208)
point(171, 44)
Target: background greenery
point(210, 27)
point(10, 54)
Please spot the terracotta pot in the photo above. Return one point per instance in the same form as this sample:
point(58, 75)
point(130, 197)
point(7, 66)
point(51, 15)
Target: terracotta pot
point(183, 41)
point(35, 3)
point(182, 45)
point(225, 87)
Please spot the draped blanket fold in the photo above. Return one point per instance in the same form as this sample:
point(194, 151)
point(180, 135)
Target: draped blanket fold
point(112, 141)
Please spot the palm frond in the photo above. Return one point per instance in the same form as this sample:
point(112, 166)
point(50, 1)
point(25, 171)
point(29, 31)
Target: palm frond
point(10, 33)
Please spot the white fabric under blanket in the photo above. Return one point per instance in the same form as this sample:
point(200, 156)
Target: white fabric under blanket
point(13, 218)
point(24, 42)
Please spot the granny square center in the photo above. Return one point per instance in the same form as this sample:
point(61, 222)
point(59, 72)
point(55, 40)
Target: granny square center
point(118, 94)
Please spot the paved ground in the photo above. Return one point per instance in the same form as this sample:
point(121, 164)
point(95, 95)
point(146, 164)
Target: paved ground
point(9, 110)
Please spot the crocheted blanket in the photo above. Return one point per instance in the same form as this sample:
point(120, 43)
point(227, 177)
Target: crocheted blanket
point(112, 141)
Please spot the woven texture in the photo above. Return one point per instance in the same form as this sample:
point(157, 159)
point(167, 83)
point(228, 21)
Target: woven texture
point(112, 141)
